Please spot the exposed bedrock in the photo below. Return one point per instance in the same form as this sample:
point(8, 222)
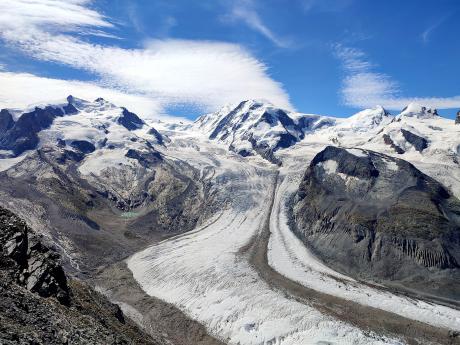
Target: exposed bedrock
point(417, 141)
point(100, 219)
point(377, 217)
point(39, 304)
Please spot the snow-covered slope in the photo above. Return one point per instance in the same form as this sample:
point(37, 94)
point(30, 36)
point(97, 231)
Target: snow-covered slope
point(210, 274)
point(417, 134)
point(254, 127)
point(257, 127)
point(216, 178)
point(419, 111)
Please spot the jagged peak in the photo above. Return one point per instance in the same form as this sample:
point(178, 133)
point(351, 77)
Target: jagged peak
point(368, 118)
point(375, 112)
point(417, 110)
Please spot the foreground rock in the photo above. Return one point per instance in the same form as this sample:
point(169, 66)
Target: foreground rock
point(40, 305)
point(377, 217)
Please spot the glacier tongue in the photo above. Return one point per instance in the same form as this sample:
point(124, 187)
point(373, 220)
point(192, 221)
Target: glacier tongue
point(207, 275)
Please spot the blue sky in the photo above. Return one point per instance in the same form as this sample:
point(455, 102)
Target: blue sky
point(184, 58)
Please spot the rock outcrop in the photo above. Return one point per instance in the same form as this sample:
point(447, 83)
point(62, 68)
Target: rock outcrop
point(388, 141)
point(35, 266)
point(377, 217)
point(39, 304)
point(83, 146)
point(130, 120)
point(417, 141)
point(457, 119)
point(6, 121)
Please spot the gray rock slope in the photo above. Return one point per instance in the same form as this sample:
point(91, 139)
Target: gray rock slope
point(40, 305)
point(97, 217)
point(379, 218)
point(91, 221)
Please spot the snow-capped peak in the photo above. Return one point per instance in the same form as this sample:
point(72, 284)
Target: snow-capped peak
point(419, 111)
point(99, 104)
point(252, 127)
point(369, 118)
point(76, 123)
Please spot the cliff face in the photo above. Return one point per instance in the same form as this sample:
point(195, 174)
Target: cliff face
point(377, 217)
point(457, 119)
point(39, 304)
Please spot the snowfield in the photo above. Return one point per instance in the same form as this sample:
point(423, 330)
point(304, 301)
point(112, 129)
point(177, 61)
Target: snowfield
point(208, 273)
point(205, 274)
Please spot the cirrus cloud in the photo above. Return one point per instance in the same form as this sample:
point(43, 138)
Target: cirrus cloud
point(362, 87)
point(205, 74)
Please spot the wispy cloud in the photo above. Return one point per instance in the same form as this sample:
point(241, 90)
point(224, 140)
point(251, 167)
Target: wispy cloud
point(205, 74)
point(362, 87)
point(245, 11)
point(427, 33)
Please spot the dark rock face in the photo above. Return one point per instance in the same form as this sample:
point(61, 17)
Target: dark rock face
point(130, 120)
point(309, 122)
point(35, 266)
point(39, 304)
point(457, 119)
point(146, 159)
point(288, 134)
point(70, 109)
point(6, 121)
point(83, 146)
point(157, 135)
point(227, 119)
point(388, 141)
point(264, 150)
point(418, 142)
point(22, 135)
point(377, 217)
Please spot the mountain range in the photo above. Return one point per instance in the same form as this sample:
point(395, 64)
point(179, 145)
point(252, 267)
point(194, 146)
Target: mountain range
point(251, 225)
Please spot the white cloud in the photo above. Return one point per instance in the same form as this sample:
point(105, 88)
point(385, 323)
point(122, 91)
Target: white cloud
point(364, 88)
point(20, 90)
point(426, 34)
point(244, 10)
point(25, 15)
point(202, 73)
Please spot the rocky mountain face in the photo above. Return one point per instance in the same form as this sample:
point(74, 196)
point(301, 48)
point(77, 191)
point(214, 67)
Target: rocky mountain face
point(40, 305)
point(254, 127)
point(377, 217)
point(93, 177)
point(419, 111)
point(99, 183)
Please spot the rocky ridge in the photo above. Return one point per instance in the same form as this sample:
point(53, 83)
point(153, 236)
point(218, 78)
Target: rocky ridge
point(39, 304)
point(377, 217)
